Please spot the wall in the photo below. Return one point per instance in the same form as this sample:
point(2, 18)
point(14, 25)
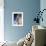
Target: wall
point(28, 7)
point(43, 6)
point(1, 3)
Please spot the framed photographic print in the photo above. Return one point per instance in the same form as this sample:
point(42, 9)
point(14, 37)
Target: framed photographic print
point(17, 18)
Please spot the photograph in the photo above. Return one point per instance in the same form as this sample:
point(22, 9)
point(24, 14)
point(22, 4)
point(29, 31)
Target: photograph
point(17, 18)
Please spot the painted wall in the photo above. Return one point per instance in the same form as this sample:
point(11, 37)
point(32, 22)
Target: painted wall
point(1, 3)
point(28, 7)
point(43, 6)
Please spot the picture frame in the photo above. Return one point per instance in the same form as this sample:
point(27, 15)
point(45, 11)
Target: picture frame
point(17, 18)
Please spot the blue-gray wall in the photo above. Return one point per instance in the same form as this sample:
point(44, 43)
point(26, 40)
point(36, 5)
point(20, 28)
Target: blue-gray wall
point(43, 6)
point(29, 8)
